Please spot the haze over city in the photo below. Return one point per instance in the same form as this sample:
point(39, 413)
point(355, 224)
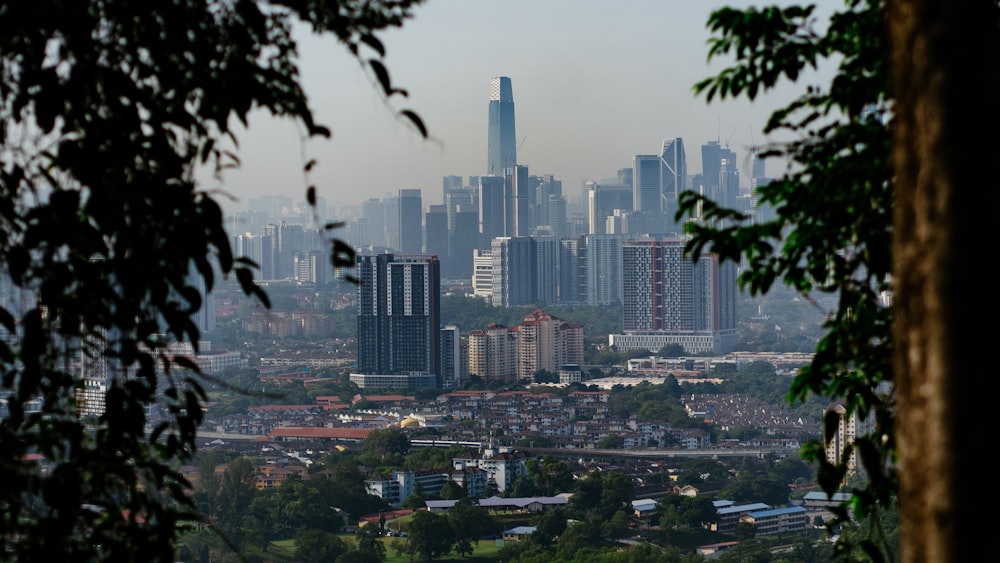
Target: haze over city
point(594, 83)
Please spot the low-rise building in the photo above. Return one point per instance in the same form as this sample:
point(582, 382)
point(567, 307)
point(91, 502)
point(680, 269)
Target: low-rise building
point(777, 520)
point(727, 516)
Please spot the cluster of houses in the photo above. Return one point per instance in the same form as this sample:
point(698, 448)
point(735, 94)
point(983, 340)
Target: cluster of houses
point(577, 420)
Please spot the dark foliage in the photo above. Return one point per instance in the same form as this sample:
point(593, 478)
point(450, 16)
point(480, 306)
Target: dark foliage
point(109, 246)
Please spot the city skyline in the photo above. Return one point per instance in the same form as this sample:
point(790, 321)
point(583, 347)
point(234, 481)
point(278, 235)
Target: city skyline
point(596, 84)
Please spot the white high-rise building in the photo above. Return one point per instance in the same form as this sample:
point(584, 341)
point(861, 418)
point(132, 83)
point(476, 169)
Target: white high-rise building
point(849, 428)
point(514, 276)
point(482, 273)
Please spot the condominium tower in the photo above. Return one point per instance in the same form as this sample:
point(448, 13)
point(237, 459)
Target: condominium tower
point(399, 314)
point(670, 299)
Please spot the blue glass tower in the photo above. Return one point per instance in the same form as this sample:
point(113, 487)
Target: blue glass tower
point(502, 141)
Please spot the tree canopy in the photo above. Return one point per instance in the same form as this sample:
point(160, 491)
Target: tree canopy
point(832, 223)
point(877, 209)
point(108, 246)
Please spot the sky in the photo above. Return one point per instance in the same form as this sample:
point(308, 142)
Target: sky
point(595, 82)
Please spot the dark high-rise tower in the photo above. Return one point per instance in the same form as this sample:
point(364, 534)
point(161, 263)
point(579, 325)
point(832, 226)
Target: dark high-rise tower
point(411, 224)
point(712, 155)
point(502, 142)
point(399, 314)
point(492, 209)
point(436, 232)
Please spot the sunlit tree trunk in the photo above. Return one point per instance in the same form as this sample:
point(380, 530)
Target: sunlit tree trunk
point(946, 61)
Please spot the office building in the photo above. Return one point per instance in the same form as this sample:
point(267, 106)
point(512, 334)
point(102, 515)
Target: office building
point(519, 192)
point(548, 192)
point(382, 216)
point(674, 178)
point(492, 209)
point(463, 239)
point(436, 233)
point(465, 197)
point(411, 222)
point(647, 183)
point(712, 155)
point(603, 200)
point(399, 313)
point(450, 184)
point(556, 219)
point(728, 190)
point(502, 139)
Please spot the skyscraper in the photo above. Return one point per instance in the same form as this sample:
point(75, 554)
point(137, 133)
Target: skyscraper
point(674, 175)
point(411, 221)
point(519, 189)
point(463, 239)
point(602, 200)
point(712, 155)
point(449, 184)
point(647, 183)
point(502, 142)
point(720, 178)
point(399, 314)
point(436, 232)
point(492, 214)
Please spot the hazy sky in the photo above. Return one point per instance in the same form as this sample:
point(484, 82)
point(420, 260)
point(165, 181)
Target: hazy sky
point(595, 82)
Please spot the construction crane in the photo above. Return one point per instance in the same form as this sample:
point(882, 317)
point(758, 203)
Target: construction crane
point(730, 137)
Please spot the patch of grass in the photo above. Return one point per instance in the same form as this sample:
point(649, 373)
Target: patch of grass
point(486, 551)
point(282, 548)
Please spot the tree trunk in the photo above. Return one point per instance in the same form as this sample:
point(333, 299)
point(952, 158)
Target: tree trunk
point(945, 58)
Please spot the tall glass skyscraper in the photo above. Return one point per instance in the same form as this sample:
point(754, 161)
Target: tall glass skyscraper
point(502, 142)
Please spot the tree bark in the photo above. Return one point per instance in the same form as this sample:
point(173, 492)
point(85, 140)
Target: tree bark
point(945, 59)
